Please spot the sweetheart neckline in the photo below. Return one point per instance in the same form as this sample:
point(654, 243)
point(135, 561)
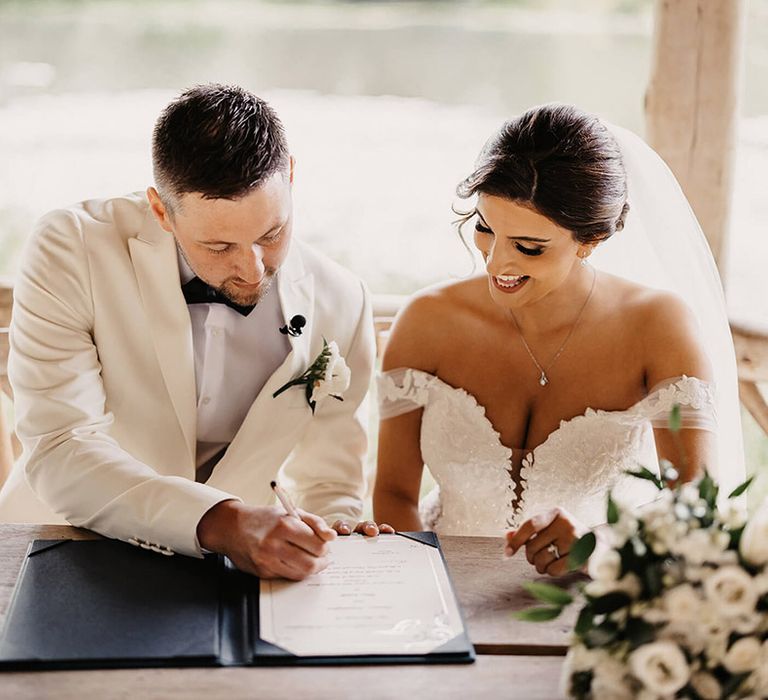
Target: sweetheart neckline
point(526, 453)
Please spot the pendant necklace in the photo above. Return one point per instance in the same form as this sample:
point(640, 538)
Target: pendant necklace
point(544, 379)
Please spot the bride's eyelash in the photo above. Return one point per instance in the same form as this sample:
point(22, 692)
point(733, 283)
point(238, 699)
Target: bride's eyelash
point(528, 251)
point(525, 251)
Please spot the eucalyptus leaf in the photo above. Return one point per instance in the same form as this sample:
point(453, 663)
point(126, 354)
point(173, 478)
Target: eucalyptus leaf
point(675, 419)
point(741, 488)
point(639, 632)
point(585, 620)
point(648, 475)
point(708, 490)
point(651, 576)
point(542, 614)
point(547, 593)
point(610, 602)
point(581, 551)
point(732, 684)
point(581, 684)
point(612, 511)
point(602, 635)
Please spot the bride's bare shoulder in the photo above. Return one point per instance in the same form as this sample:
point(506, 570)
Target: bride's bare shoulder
point(661, 324)
point(431, 318)
point(645, 307)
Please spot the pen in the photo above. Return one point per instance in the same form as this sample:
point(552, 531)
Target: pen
point(285, 499)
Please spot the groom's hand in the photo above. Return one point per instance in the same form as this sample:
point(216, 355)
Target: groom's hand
point(265, 541)
point(366, 527)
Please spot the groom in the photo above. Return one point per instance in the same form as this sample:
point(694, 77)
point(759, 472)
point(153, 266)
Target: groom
point(149, 335)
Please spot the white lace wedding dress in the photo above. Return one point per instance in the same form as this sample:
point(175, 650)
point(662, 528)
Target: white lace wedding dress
point(574, 468)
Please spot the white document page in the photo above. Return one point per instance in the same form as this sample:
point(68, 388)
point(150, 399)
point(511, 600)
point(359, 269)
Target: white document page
point(381, 595)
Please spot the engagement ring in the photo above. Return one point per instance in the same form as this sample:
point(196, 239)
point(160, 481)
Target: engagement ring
point(552, 549)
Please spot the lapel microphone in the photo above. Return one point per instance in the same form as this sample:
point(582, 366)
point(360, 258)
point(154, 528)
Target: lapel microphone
point(294, 326)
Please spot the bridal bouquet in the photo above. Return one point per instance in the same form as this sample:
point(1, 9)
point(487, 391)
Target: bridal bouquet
point(677, 605)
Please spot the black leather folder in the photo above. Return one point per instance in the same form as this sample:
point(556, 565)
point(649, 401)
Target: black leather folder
point(106, 604)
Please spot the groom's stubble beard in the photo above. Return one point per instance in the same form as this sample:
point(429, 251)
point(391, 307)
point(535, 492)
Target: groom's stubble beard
point(229, 289)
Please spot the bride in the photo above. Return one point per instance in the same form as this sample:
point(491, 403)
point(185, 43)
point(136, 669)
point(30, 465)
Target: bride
point(529, 391)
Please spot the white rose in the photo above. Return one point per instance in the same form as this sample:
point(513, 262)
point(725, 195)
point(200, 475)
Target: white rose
point(337, 376)
point(706, 685)
point(689, 494)
point(733, 515)
point(661, 667)
point(731, 591)
point(685, 635)
point(579, 658)
point(682, 603)
point(604, 565)
point(744, 655)
point(754, 539)
point(699, 546)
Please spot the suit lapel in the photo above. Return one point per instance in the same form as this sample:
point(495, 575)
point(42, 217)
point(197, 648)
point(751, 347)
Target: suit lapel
point(258, 442)
point(153, 253)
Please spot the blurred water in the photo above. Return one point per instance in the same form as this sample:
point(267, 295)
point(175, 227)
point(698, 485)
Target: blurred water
point(386, 105)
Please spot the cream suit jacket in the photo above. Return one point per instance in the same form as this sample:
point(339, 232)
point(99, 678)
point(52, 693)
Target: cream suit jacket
point(102, 371)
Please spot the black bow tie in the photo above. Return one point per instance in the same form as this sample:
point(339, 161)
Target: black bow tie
point(198, 292)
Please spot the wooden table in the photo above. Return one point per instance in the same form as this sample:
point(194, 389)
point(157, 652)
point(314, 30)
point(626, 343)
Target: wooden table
point(515, 659)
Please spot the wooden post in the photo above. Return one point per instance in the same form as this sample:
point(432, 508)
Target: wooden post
point(692, 104)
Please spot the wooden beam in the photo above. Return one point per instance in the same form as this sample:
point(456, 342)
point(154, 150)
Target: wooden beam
point(692, 101)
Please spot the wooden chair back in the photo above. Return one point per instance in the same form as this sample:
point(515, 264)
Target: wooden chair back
point(751, 342)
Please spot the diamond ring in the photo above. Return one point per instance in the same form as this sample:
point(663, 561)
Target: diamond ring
point(552, 549)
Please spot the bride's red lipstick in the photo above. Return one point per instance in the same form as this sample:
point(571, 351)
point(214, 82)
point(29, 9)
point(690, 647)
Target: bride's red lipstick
point(509, 290)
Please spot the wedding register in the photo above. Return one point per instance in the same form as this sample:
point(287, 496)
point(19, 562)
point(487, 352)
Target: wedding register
point(107, 604)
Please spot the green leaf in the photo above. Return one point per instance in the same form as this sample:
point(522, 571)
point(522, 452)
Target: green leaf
point(581, 551)
point(612, 511)
point(732, 684)
point(648, 475)
point(741, 488)
point(651, 577)
point(547, 593)
point(581, 684)
point(602, 635)
point(610, 602)
point(639, 632)
point(542, 614)
point(585, 620)
point(675, 420)
point(708, 489)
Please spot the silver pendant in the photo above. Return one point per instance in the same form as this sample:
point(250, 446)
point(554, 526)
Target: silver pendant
point(543, 379)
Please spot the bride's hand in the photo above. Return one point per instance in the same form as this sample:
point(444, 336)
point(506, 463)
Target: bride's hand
point(547, 538)
point(366, 527)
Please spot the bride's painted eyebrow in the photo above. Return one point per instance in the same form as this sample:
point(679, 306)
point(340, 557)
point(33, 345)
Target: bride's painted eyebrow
point(512, 238)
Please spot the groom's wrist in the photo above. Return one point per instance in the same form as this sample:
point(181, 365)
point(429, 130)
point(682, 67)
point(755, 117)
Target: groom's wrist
point(216, 523)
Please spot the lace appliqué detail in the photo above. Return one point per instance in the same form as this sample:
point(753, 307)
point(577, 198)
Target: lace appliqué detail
point(573, 469)
point(402, 390)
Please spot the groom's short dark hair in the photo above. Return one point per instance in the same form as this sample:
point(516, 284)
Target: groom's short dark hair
point(217, 140)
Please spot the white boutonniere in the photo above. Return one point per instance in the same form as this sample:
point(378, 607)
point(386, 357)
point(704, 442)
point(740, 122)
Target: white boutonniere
point(328, 375)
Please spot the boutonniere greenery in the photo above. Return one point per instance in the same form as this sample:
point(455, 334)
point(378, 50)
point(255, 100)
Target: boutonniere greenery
point(328, 375)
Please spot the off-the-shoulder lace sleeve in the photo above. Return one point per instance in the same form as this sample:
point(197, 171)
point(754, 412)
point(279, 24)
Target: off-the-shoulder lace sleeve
point(695, 397)
point(402, 390)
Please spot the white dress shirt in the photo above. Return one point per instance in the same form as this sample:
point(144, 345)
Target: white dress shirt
point(235, 355)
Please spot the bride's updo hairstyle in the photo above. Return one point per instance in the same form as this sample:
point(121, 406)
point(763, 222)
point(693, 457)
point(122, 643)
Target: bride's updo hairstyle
point(561, 162)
